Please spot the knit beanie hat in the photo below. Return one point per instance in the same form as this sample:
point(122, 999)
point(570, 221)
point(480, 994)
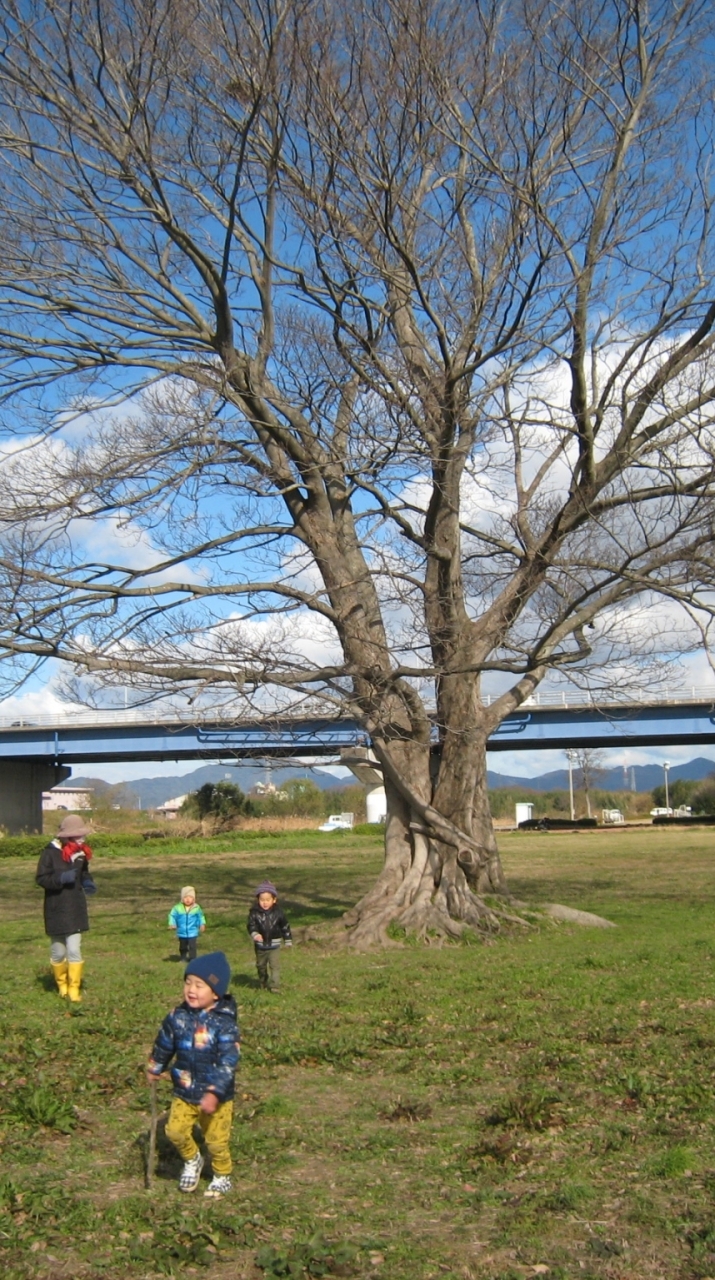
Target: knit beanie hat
point(213, 969)
point(187, 890)
point(266, 886)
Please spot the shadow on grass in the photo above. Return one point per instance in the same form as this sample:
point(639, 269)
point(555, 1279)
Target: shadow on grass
point(168, 1163)
point(321, 909)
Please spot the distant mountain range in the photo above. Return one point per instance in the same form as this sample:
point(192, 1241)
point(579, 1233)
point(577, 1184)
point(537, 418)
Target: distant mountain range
point(638, 777)
point(148, 793)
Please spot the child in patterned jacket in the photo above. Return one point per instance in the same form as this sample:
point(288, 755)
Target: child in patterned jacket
point(189, 921)
point(201, 1036)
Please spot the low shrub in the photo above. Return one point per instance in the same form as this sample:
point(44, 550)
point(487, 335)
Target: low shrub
point(43, 1106)
point(32, 846)
point(695, 820)
point(556, 824)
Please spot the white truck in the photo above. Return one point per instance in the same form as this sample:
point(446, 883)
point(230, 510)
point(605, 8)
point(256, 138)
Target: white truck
point(338, 822)
point(612, 817)
point(682, 811)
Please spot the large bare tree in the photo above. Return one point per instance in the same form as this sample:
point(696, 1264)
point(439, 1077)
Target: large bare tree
point(379, 337)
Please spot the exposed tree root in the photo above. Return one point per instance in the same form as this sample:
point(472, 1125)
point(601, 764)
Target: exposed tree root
point(432, 915)
point(433, 881)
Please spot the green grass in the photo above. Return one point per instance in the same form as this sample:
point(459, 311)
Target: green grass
point(461, 1111)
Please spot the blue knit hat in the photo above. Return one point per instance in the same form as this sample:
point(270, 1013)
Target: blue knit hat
point(213, 969)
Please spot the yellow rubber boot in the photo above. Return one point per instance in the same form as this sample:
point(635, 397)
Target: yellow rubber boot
point(61, 976)
point(75, 981)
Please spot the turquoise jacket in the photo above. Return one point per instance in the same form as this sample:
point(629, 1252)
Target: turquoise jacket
point(186, 920)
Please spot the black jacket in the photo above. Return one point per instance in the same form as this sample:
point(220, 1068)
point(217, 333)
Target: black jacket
point(65, 904)
point(271, 924)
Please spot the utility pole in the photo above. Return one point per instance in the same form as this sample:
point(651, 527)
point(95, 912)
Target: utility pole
point(571, 757)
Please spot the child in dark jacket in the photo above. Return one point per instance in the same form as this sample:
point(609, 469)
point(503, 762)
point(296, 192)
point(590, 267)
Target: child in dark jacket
point(202, 1037)
point(268, 927)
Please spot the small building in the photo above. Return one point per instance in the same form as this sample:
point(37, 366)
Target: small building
point(376, 805)
point(170, 808)
point(267, 791)
point(524, 812)
point(72, 799)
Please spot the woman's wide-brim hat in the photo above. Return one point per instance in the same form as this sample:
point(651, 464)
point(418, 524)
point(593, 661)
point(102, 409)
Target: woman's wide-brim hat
point(72, 828)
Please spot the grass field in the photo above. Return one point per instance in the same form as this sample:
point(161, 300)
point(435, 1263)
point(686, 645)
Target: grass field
point(539, 1106)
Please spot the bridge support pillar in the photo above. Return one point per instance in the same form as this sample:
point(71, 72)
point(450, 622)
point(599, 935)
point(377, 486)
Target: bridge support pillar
point(21, 785)
point(366, 770)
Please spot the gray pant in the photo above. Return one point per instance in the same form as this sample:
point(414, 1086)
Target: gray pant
point(187, 948)
point(268, 965)
point(69, 949)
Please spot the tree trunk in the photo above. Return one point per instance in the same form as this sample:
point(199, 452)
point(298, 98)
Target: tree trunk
point(490, 877)
point(431, 885)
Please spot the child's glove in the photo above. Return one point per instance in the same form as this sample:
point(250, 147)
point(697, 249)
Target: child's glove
point(68, 877)
point(89, 886)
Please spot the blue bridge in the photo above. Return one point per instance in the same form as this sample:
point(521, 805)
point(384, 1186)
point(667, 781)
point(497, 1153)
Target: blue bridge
point(37, 753)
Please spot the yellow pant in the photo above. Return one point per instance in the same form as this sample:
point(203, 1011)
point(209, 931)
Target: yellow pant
point(216, 1129)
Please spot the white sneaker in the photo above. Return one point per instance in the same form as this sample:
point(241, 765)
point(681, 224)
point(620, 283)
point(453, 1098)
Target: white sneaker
point(191, 1173)
point(217, 1187)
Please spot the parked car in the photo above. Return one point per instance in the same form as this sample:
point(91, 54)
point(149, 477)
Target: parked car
point(661, 812)
point(338, 822)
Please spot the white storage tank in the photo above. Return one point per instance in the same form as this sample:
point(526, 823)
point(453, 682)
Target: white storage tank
point(523, 813)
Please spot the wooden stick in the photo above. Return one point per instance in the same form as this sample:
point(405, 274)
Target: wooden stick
point(151, 1155)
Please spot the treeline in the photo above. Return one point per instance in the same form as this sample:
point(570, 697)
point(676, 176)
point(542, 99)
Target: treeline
point(226, 803)
point(699, 795)
point(557, 804)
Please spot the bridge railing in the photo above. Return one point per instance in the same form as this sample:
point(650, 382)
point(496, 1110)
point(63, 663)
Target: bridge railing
point(156, 715)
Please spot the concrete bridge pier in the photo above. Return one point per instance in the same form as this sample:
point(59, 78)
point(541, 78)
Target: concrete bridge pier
point(21, 785)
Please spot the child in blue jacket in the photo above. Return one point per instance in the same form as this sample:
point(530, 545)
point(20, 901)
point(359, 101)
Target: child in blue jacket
point(201, 1036)
point(189, 921)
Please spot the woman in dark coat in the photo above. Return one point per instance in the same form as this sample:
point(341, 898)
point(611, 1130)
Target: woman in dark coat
point(63, 873)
